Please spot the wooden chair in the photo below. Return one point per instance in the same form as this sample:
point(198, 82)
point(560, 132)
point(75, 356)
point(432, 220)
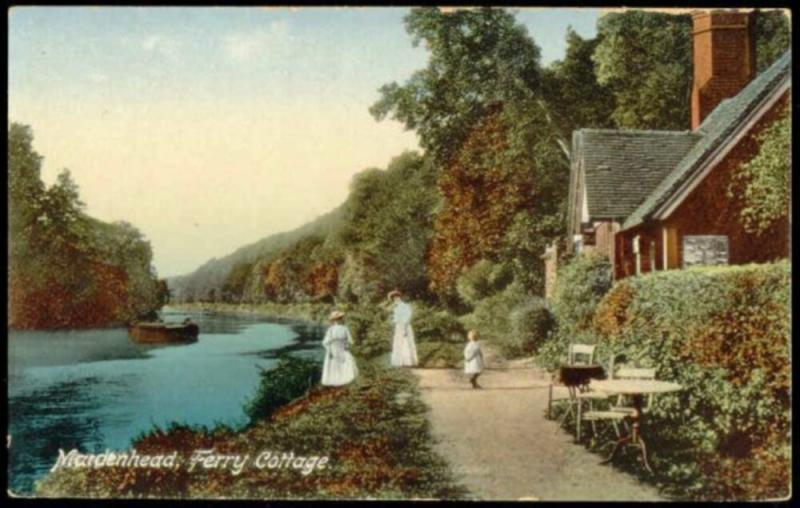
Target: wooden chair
point(578, 354)
point(589, 395)
point(576, 351)
point(619, 411)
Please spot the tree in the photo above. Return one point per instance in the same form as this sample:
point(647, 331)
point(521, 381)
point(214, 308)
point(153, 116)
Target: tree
point(481, 111)
point(388, 220)
point(233, 287)
point(163, 293)
point(645, 59)
point(67, 269)
point(502, 200)
point(25, 190)
point(773, 37)
point(477, 58)
point(575, 98)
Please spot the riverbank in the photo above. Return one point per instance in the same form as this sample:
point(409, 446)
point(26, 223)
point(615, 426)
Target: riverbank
point(374, 434)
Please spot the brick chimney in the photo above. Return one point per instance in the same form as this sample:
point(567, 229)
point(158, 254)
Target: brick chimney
point(724, 58)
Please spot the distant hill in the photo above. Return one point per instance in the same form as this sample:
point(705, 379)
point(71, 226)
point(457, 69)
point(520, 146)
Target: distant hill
point(212, 274)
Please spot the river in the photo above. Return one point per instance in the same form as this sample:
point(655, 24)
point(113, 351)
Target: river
point(95, 390)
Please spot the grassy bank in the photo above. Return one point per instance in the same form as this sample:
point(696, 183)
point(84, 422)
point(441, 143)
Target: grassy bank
point(374, 433)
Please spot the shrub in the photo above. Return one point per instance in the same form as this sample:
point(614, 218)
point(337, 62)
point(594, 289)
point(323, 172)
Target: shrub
point(371, 326)
point(490, 315)
point(531, 324)
point(292, 378)
point(371, 329)
point(581, 284)
point(440, 354)
point(436, 325)
point(723, 334)
point(482, 280)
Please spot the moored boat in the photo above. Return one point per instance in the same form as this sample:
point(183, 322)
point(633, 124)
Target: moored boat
point(163, 333)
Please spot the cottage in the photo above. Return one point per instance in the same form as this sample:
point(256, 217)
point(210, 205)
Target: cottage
point(656, 200)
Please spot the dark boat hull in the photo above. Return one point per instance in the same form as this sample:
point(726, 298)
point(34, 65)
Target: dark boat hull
point(163, 333)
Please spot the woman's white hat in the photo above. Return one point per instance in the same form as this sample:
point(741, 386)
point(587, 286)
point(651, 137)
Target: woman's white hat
point(337, 314)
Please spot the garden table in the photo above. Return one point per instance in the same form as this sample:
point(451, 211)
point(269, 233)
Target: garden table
point(637, 389)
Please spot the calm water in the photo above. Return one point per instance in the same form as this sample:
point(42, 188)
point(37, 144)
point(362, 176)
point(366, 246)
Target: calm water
point(95, 389)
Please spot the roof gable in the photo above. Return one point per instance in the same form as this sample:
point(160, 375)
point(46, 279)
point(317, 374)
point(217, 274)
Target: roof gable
point(718, 127)
point(621, 167)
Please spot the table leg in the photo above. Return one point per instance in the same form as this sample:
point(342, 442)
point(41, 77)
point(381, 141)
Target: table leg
point(635, 435)
point(644, 455)
point(617, 447)
point(638, 400)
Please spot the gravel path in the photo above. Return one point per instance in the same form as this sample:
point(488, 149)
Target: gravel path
point(502, 446)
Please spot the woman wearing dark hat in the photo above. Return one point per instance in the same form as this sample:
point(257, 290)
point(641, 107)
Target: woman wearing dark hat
point(339, 367)
point(404, 349)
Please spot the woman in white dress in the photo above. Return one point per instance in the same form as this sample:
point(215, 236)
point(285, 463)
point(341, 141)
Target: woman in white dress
point(404, 349)
point(339, 367)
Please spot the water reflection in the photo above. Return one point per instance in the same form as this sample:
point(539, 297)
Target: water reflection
point(63, 416)
point(95, 389)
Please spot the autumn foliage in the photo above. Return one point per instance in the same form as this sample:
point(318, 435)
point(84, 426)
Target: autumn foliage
point(66, 269)
point(485, 189)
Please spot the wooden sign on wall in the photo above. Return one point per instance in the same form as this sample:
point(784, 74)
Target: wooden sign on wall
point(705, 250)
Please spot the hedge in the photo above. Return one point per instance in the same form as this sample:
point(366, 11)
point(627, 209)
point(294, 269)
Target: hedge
point(724, 334)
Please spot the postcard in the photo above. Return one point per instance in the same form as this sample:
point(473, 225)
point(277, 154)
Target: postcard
point(399, 253)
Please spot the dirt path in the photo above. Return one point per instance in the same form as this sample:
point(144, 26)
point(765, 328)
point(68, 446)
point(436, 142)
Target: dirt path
point(501, 445)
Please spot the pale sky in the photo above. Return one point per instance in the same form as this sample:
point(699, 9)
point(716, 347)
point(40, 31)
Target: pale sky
point(210, 128)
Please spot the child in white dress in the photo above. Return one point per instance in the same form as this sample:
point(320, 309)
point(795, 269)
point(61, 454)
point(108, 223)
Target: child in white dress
point(473, 358)
point(339, 367)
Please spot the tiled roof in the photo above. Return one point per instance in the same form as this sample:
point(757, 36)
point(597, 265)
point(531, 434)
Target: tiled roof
point(621, 167)
point(715, 129)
